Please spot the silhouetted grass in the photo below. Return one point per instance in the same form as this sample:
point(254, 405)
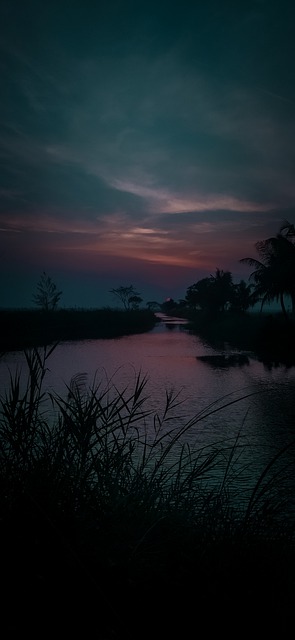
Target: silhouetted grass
point(112, 525)
point(24, 328)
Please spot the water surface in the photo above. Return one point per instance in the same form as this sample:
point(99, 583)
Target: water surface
point(169, 356)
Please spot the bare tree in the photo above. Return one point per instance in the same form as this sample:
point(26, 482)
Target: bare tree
point(47, 296)
point(129, 297)
point(134, 302)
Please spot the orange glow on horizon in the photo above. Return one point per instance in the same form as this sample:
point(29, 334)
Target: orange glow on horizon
point(201, 246)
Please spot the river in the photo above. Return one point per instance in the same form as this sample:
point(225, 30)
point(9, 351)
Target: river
point(174, 359)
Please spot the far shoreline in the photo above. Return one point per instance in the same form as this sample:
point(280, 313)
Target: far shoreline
point(33, 328)
point(267, 335)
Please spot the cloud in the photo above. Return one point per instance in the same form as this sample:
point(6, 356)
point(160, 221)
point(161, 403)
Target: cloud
point(162, 201)
point(158, 137)
point(151, 127)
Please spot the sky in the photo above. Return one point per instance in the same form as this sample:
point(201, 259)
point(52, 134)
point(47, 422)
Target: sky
point(143, 143)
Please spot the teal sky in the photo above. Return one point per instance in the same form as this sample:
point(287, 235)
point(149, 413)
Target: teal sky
point(143, 143)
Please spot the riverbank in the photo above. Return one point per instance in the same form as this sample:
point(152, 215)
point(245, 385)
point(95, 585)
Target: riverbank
point(24, 328)
point(267, 335)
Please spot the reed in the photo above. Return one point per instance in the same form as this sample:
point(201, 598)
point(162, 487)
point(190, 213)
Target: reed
point(101, 496)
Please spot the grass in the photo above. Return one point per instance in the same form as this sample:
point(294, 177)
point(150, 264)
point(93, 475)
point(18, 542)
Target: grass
point(25, 328)
point(112, 525)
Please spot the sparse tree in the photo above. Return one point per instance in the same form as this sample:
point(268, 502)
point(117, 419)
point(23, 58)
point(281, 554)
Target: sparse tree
point(134, 302)
point(128, 296)
point(47, 296)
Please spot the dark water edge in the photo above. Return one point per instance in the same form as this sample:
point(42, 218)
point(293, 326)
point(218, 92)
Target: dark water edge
point(268, 336)
point(24, 328)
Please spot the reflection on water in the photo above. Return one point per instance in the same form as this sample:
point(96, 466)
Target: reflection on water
point(205, 380)
point(226, 360)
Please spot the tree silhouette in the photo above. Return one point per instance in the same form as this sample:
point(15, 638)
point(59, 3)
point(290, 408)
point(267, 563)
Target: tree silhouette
point(287, 229)
point(153, 305)
point(168, 305)
point(47, 297)
point(129, 297)
point(134, 301)
point(274, 272)
point(213, 294)
point(199, 294)
point(242, 296)
point(222, 289)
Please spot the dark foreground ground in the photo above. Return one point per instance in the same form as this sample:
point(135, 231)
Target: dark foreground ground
point(49, 588)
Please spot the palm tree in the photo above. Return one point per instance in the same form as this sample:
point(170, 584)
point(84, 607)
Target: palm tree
point(288, 229)
point(222, 288)
point(274, 273)
point(242, 296)
point(213, 294)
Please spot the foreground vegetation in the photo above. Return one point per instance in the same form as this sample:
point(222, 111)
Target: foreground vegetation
point(112, 526)
point(23, 328)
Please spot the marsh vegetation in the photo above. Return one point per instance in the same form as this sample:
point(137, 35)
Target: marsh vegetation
point(111, 522)
point(25, 328)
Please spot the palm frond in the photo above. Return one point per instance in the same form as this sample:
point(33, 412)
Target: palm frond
point(252, 262)
point(288, 228)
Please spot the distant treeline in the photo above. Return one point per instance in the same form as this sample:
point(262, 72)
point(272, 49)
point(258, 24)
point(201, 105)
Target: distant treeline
point(272, 280)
